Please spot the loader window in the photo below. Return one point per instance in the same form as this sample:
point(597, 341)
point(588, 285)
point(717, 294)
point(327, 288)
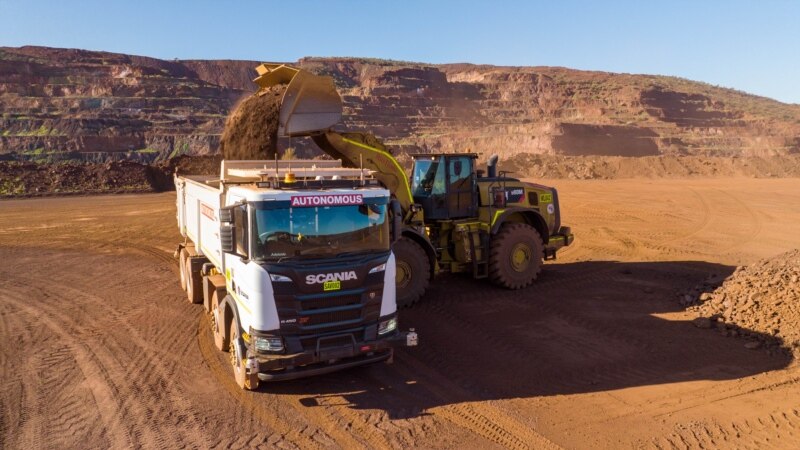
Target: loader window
point(428, 178)
point(282, 231)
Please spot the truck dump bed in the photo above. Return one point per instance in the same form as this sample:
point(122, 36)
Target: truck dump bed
point(198, 204)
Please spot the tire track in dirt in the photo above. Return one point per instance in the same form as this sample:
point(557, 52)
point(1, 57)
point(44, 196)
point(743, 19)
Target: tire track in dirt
point(754, 218)
point(779, 429)
point(121, 435)
point(287, 431)
point(139, 353)
point(489, 422)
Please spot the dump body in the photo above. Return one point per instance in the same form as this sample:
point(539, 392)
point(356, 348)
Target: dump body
point(302, 273)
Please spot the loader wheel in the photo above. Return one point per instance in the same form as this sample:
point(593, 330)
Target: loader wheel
point(221, 341)
point(516, 256)
point(194, 290)
point(243, 379)
point(182, 262)
point(413, 271)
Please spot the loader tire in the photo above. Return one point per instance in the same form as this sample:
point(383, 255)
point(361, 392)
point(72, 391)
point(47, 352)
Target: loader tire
point(182, 263)
point(243, 379)
point(516, 256)
point(413, 271)
point(194, 286)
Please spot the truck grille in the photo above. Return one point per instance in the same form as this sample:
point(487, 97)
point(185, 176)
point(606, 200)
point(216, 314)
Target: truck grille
point(328, 302)
point(331, 317)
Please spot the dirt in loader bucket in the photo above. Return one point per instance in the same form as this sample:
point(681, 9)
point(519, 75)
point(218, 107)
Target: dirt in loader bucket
point(251, 130)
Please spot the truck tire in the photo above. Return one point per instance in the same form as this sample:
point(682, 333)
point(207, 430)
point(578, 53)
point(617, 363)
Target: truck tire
point(413, 271)
point(217, 315)
point(239, 372)
point(516, 256)
point(182, 263)
point(194, 287)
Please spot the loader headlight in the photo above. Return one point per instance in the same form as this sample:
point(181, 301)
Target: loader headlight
point(377, 269)
point(279, 278)
point(268, 344)
point(387, 326)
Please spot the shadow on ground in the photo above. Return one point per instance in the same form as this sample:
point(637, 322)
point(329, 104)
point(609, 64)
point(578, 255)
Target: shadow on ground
point(583, 327)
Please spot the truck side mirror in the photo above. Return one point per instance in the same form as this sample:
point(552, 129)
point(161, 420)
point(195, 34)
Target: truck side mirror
point(233, 229)
point(227, 237)
point(226, 214)
point(397, 219)
point(227, 230)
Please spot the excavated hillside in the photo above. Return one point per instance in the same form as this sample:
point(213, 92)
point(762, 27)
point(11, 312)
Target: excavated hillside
point(76, 104)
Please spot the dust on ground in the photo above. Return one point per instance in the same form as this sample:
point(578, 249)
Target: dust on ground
point(251, 130)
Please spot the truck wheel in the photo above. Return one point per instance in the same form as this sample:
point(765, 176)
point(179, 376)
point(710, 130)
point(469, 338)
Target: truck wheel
point(243, 379)
point(216, 317)
point(182, 262)
point(516, 256)
point(194, 290)
point(413, 271)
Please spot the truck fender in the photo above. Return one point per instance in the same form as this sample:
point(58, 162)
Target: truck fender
point(213, 283)
point(426, 245)
point(523, 215)
point(230, 314)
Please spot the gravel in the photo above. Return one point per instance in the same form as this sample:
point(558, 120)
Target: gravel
point(761, 301)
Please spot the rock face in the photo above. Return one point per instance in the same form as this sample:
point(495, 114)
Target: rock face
point(58, 103)
point(761, 300)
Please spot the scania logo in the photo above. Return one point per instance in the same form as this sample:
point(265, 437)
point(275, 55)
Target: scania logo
point(325, 277)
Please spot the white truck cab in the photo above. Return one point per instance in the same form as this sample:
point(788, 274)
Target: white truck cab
point(293, 263)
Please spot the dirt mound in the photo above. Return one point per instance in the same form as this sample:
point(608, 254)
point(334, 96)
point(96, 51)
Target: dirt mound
point(21, 179)
point(763, 298)
point(251, 131)
point(612, 167)
point(18, 179)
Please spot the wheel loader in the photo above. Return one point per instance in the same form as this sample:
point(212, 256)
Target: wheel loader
point(454, 216)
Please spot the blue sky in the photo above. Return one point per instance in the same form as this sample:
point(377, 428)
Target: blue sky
point(749, 45)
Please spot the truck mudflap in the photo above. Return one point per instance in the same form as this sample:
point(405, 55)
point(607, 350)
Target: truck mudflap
point(563, 238)
point(329, 359)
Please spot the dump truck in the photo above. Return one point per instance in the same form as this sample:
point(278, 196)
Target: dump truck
point(455, 217)
point(292, 262)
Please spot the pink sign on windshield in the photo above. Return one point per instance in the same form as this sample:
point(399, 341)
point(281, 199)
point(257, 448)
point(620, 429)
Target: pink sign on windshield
point(327, 200)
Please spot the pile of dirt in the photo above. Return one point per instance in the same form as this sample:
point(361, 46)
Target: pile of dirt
point(251, 131)
point(760, 301)
point(21, 179)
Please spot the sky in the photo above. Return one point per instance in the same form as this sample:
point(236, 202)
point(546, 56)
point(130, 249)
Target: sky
point(749, 45)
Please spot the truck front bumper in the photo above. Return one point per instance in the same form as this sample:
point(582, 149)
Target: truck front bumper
point(328, 359)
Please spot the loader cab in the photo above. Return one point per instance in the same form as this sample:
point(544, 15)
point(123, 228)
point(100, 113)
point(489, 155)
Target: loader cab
point(445, 185)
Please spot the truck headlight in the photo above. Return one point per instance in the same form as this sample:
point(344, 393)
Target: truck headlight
point(268, 344)
point(279, 278)
point(377, 269)
point(387, 326)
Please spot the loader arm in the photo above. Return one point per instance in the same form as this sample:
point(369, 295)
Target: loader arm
point(365, 150)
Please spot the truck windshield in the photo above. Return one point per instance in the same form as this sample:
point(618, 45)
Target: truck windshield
point(282, 231)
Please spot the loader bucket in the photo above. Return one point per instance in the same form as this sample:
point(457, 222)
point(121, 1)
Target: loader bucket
point(310, 103)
